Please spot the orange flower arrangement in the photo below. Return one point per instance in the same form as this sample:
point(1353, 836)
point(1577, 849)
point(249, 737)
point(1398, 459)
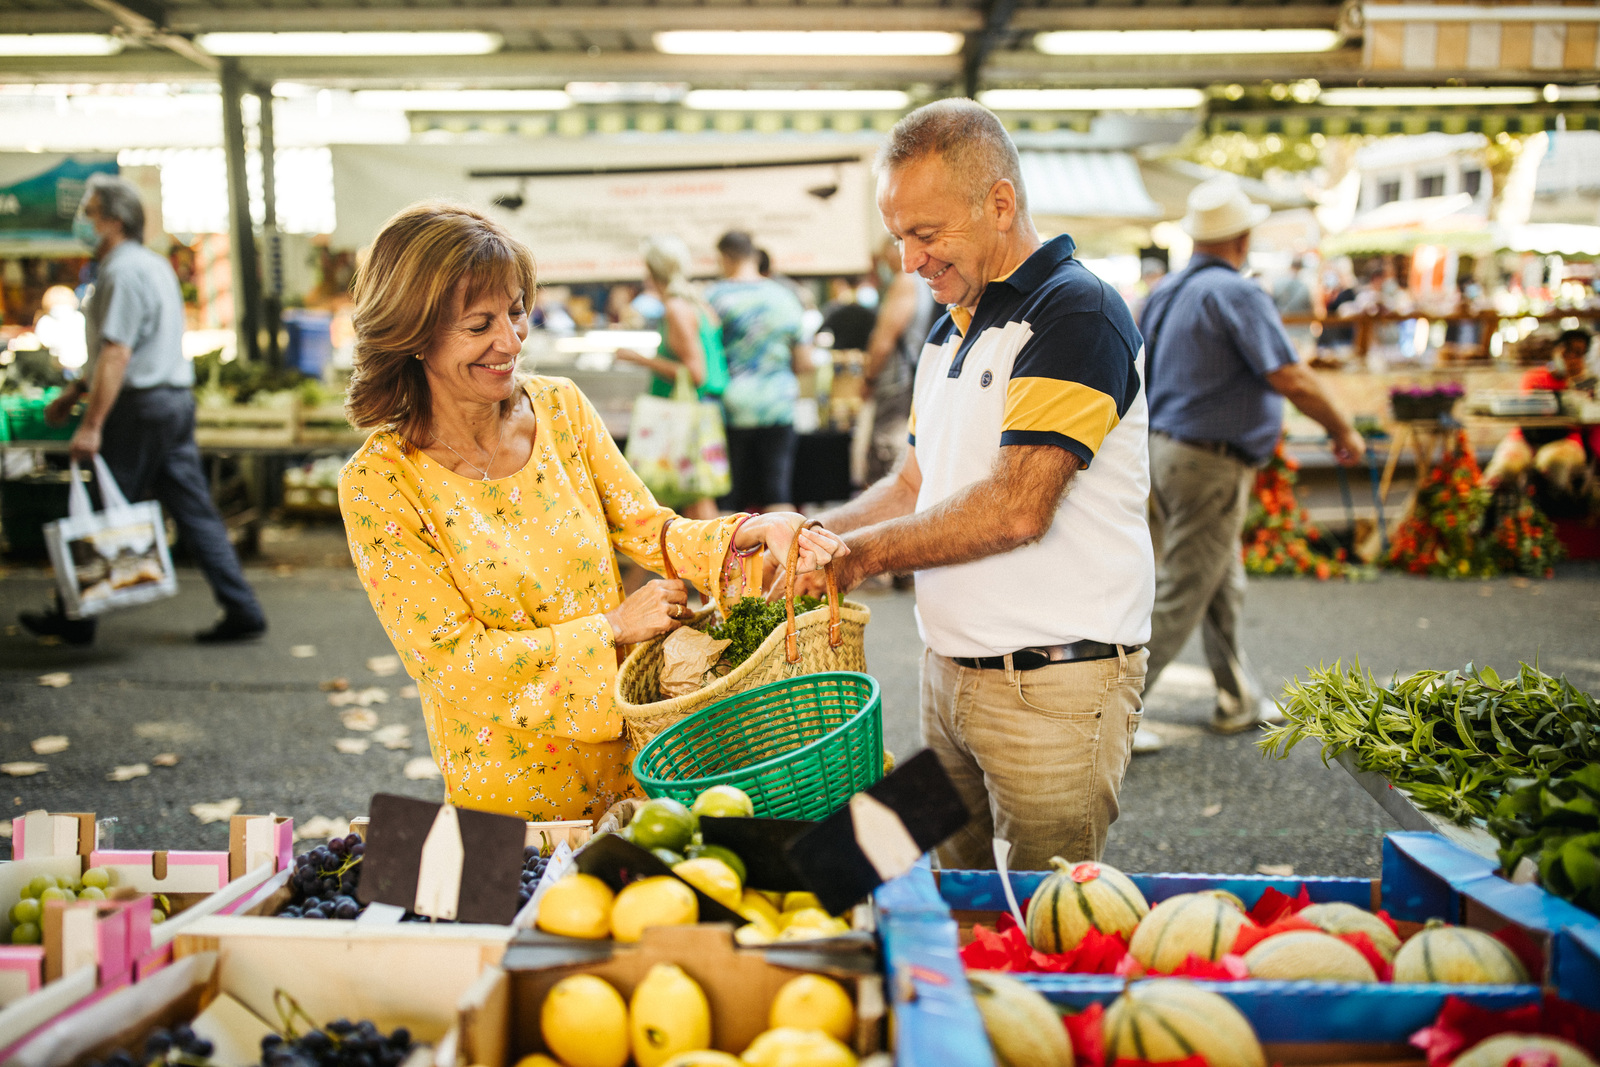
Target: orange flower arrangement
point(1279, 537)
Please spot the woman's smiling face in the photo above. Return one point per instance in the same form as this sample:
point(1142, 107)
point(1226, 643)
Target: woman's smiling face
point(474, 350)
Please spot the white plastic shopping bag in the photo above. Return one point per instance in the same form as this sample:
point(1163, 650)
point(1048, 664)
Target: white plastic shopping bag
point(108, 559)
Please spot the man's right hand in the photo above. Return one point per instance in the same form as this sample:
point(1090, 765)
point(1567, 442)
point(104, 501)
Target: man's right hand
point(1348, 447)
point(60, 409)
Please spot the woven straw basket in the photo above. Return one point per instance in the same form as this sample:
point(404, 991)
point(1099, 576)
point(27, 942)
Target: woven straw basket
point(831, 638)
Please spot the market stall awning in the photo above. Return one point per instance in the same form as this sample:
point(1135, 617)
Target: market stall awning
point(1405, 225)
point(1554, 239)
point(1086, 184)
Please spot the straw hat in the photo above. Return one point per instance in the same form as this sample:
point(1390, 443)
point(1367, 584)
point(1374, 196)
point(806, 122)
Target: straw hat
point(1219, 209)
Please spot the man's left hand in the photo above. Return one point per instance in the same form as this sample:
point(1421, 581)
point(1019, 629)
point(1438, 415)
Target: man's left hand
point(85, 444)
point(847, 570)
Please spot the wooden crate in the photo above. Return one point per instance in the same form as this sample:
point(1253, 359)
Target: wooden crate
point(326, 426)
point(244, 426)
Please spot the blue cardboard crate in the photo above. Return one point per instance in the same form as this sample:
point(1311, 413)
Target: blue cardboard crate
point(1575, 966)
point(982, 891)
point(1427, 877)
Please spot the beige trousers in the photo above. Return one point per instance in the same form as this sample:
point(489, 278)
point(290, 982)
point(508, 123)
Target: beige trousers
point(1037, 756)
point(1198, 502)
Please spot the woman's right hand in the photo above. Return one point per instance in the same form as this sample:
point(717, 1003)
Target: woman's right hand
point(656, 608)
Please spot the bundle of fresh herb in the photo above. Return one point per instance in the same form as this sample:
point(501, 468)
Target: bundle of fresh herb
point(751, 620)
point(1555, 822)
point(1456, 741)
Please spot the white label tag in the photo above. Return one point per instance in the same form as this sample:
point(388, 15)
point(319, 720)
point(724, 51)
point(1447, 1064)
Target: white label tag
point(882, 837)
point(439, 871)
point(260, 842)
point(80, 941)
point(380, 914)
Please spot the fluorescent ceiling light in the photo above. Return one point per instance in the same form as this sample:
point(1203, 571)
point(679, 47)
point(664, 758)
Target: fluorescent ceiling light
point(463, 99)
point(59, 44)
point(1183, 42)
point(626, 92)
point(1477, 13)
point(466, 43)
point(1488, 96)
point(796, 99)
point(807, 43)
point(1091, 99)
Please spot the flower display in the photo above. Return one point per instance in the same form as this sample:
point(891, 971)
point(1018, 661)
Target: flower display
point(1279, 537)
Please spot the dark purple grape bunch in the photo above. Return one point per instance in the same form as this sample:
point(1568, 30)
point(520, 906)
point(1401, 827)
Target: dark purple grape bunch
point(163, 1048)
point(534, 861)
point(325, 879)
point(341, 1043)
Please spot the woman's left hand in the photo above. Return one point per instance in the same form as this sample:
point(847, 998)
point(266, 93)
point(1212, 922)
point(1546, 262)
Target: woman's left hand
point(818, 547)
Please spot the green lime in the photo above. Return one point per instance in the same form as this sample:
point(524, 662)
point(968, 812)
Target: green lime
point(26, 934)
point(667, 856)
point(719, 852)
point(662, 823)
point(724, 802)
point(26, 910)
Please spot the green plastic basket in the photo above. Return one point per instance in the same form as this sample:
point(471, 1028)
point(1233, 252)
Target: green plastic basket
point(800, 748)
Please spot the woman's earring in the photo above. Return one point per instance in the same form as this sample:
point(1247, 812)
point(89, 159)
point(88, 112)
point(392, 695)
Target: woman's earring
point(419, 355)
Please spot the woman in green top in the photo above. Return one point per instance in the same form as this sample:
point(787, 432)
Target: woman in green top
point(691, 336)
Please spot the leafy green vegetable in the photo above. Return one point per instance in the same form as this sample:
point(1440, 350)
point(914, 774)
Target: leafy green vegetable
point(751, 620)
point(1454, 740)
point(1555, 822)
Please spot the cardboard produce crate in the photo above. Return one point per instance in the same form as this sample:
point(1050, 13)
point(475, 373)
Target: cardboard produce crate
point(499, 1015)
point(54, 844)
point(326, 426)
point(245, 425)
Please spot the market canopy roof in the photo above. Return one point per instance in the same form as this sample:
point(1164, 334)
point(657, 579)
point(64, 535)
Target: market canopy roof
point(1086, 184)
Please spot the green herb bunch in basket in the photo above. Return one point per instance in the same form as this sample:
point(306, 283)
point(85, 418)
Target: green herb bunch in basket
point(1554, 822)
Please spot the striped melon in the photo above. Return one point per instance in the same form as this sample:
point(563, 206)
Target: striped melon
point(1341, 918)
point(1188, 924)
point(1226, 897)
point(1024, 1030)
point(1169, 1019)
point(1307, 955)
point(1503, 1049)
point(1442, 953)
point(1077, 896)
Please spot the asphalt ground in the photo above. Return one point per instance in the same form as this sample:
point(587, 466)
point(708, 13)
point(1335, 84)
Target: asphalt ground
point(252, 722)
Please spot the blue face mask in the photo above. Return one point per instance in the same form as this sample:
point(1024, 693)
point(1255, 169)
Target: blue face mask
point(84, 231)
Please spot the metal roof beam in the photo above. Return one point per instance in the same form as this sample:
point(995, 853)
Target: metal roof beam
point(996, 19)
point(146, 30)
point(576, 19)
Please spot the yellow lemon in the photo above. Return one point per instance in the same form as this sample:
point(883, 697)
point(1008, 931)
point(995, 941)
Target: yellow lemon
point(798, 900)
point(755, 934)
point(659, 901)
point(579, 905)
point(812, 1002)
point(753, 902)
point(805, 917)
point(773, 897)
point(538, 1059)
point(585, 1022)
point(669, 1014)
point(723, 802)
point(713, 878)
point(788, 1047)
point(705, 1057)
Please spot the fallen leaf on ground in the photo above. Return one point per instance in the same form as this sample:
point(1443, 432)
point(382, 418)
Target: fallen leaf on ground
point(284, 570)
point(361, 697)
point(5, 828)
point(302, 651)
point(352, 746)
point(49, 639)
point(359, 719)
point(221, 811)
point(49, 746)
point(166, 759)
point(320, 827)
point(1211, 809)
point(1275, 870)
point(421, 769)
point(56, 679)
point(334, 685)
point(409, 692)
point(384, 665)
point(127, 772)
point(23, 768)
point(395, 735)
point(167, 731)
point(12, 631)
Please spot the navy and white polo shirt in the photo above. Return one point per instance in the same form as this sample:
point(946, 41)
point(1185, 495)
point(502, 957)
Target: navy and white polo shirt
point(1050, 357)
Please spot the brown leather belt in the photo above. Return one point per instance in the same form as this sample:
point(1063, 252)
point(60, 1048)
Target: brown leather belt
point(1030, 659)
point(1216, 448)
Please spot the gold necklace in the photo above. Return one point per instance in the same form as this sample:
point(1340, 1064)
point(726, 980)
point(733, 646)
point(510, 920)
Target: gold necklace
point(481, 470)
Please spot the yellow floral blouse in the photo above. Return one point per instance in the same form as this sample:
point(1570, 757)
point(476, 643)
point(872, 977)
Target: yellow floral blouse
point(494, 594)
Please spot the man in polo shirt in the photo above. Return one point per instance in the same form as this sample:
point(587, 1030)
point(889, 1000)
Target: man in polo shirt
point(1020, 504)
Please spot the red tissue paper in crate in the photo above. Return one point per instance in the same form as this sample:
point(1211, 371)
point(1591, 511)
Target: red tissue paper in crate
point(1461, 1025)
point(1006, 948)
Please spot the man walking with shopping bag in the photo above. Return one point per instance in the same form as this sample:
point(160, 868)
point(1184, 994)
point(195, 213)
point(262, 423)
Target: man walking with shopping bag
point(140, 414)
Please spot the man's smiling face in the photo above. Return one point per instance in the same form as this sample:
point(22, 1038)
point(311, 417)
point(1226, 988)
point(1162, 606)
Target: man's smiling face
point(954, 244)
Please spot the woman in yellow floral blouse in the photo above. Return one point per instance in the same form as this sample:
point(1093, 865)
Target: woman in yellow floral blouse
point(483, 514)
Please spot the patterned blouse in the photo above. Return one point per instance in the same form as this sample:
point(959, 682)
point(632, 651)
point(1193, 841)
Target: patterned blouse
point(494, 594)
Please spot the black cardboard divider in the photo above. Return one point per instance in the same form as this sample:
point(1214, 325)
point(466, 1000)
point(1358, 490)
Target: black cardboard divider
point(491, 868)
point(617, 863)
point(763, 845)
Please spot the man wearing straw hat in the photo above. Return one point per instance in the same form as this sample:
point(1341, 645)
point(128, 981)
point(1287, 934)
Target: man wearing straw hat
point(1020, 504)
point(1219, 366)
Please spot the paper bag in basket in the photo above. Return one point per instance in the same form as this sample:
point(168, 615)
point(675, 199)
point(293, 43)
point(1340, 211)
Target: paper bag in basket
point(108, 559)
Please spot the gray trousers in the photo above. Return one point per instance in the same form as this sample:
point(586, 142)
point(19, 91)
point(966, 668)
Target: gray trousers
point(1198, 501)
point(148, 442)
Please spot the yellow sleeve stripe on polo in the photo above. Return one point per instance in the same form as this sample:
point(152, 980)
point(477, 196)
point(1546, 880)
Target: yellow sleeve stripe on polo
point(1054, 406)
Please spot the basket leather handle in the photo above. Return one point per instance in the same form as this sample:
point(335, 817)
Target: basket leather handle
point(667, 568)
point(791, 640)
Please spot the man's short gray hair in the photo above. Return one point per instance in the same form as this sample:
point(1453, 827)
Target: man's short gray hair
point(118, 199)
point(967, 136)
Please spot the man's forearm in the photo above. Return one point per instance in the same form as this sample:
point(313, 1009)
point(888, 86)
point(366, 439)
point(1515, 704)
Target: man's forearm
point(1300, 387)
point(110, 369)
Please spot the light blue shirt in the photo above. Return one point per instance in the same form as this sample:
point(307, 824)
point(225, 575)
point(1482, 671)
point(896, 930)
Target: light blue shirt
point(1212, 337)
point(136, 302)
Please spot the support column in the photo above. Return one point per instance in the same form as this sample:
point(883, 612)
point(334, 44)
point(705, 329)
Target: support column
point(272, 290)
point(246, 269)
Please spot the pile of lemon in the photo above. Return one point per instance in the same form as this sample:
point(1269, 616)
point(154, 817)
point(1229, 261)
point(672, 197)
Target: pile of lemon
point(581, 905)
point(586, 1023)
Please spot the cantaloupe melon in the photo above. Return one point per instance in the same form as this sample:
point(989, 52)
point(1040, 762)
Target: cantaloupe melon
point(1168, 1019)
point(1076, 897)
point(1307, 955)
point(1442, 953)
point(1188, 924)
point(1342, 918)
point(1500, 1050)
point(1024, 1030)
point(1227, 898)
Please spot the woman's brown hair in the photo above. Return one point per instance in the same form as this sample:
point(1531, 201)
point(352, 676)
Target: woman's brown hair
point(403, 290)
